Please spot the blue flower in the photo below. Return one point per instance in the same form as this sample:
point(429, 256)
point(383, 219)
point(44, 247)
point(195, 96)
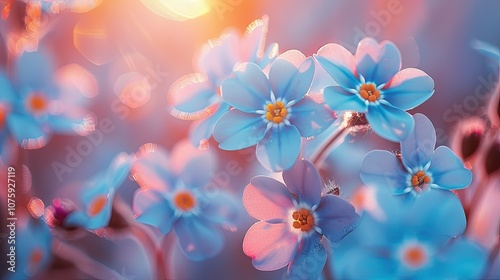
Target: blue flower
point(273, 112)
point(419, 240)
point(419, 167)
point(197, 96)
point(371, 82)
point(175, 194)
point(98, 194)
point(294, 218)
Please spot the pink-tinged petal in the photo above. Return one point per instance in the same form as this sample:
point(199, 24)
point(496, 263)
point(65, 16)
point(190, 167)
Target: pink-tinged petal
point(417, 149)
point(390, 122)
point(291, 75)
point(336, 217)
point(377, 63)
point(236, 130)
point(309, 260)
point(253, 43)
point(310, 117)
point(194, 167)
point(448, 171)
point(198, 238)
point(267, 199)
point(339, 63)
point(303, 180)
point(280, 147)
point(408, 89)
point(151, 169)
point(152, 208)
point(193, 97)
point(249, 91)
point(271, 246)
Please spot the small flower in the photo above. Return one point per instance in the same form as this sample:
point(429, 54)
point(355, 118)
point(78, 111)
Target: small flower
point(420, 166)
point(410, 241)
point(372, 82)
point(98, 194)
point(294, 218)
point(197, 96)
point(273, 112)
point(173, 195)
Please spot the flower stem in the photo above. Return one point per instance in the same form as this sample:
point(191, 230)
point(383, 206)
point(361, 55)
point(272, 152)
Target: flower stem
point(318, 158)
point(481, 188)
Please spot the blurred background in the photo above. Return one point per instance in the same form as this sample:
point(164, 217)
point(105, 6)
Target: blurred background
point(117, 44)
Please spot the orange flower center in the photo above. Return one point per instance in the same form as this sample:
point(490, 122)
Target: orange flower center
point(184, 201)
point(369, 92)
point(419, 179)
point(276, 112)
point(415, 256)
point(37, 102)
point(2, 118)
point(97, 205)
point(36, 256)
point(303, 220)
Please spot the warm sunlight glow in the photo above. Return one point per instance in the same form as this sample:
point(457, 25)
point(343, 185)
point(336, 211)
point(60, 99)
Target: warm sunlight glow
point(179, 10)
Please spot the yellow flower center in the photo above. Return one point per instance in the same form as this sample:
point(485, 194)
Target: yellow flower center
point(97, 205)
point(303, 220)
point(184, 201)
point(414, 256)
point(276, 112)
point(419, 179)
point(369, 92)
point(37, 102)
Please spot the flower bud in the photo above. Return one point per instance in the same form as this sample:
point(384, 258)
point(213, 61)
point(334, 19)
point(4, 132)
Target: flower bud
point(492, 158)
point(468, 137)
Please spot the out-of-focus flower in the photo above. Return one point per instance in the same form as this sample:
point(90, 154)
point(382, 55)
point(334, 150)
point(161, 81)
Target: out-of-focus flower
point(492, 156)
point(197, 96)
point(32, 107)
point(174, 195)
point(420, 166)
point(294, 218)
point(373, 83)
point(410, 241)
point(98, 194)
point(468, 136)
point(274, 113)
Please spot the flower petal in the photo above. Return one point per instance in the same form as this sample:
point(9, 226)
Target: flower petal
point(201, 131)
point(236, 130)
point(271, 246)
point(151, 169)
point(249, 91)
point(390, 122)
point(118, 170)
point(253, 43)
point(309, 260)
point(336, 217)
point(193, 166)
point(279, 149)
point(193, 97)
point(310, 118)
point(464, 259)
point(417, 148)
point(448, 171)
point(304, 182)
point(152, 208)
point(8, 93)
point(198, 238)
point(377, 63)
point(340, 100)
point(291, 75)
point(409, 88)
point(222, 208)
point(339, 63)
point(267, 199)
point(28, 133)
point(384, 170)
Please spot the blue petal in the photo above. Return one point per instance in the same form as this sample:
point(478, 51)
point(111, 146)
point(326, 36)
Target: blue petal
point(390, 122)
point(448, 171)
point(362, 263)
point(236, 130)
point(27, 131)
point(152, 208)
point(303, 180)
point(199, 168)
point(417, 149)
point(339, 63)
point(291, 75)
point(118, 170)
point(336, 217)
point(409, 88)
point(271, 246)
point(63, 124)
point(197, 238)
point(151, 169)
point(8, 93)
point(34, 70)
point(222, 208)
point(309, 260)
point(269, 56)
point(201, 130)
point(340, 100)
point(377, 63)
point(310, 117)
point(217, 60)
point(384, 170)
point(437, 215)
point(249, 91)
point(192, 96)
point(267, 199)
point(279, 149)
point(463, 259)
